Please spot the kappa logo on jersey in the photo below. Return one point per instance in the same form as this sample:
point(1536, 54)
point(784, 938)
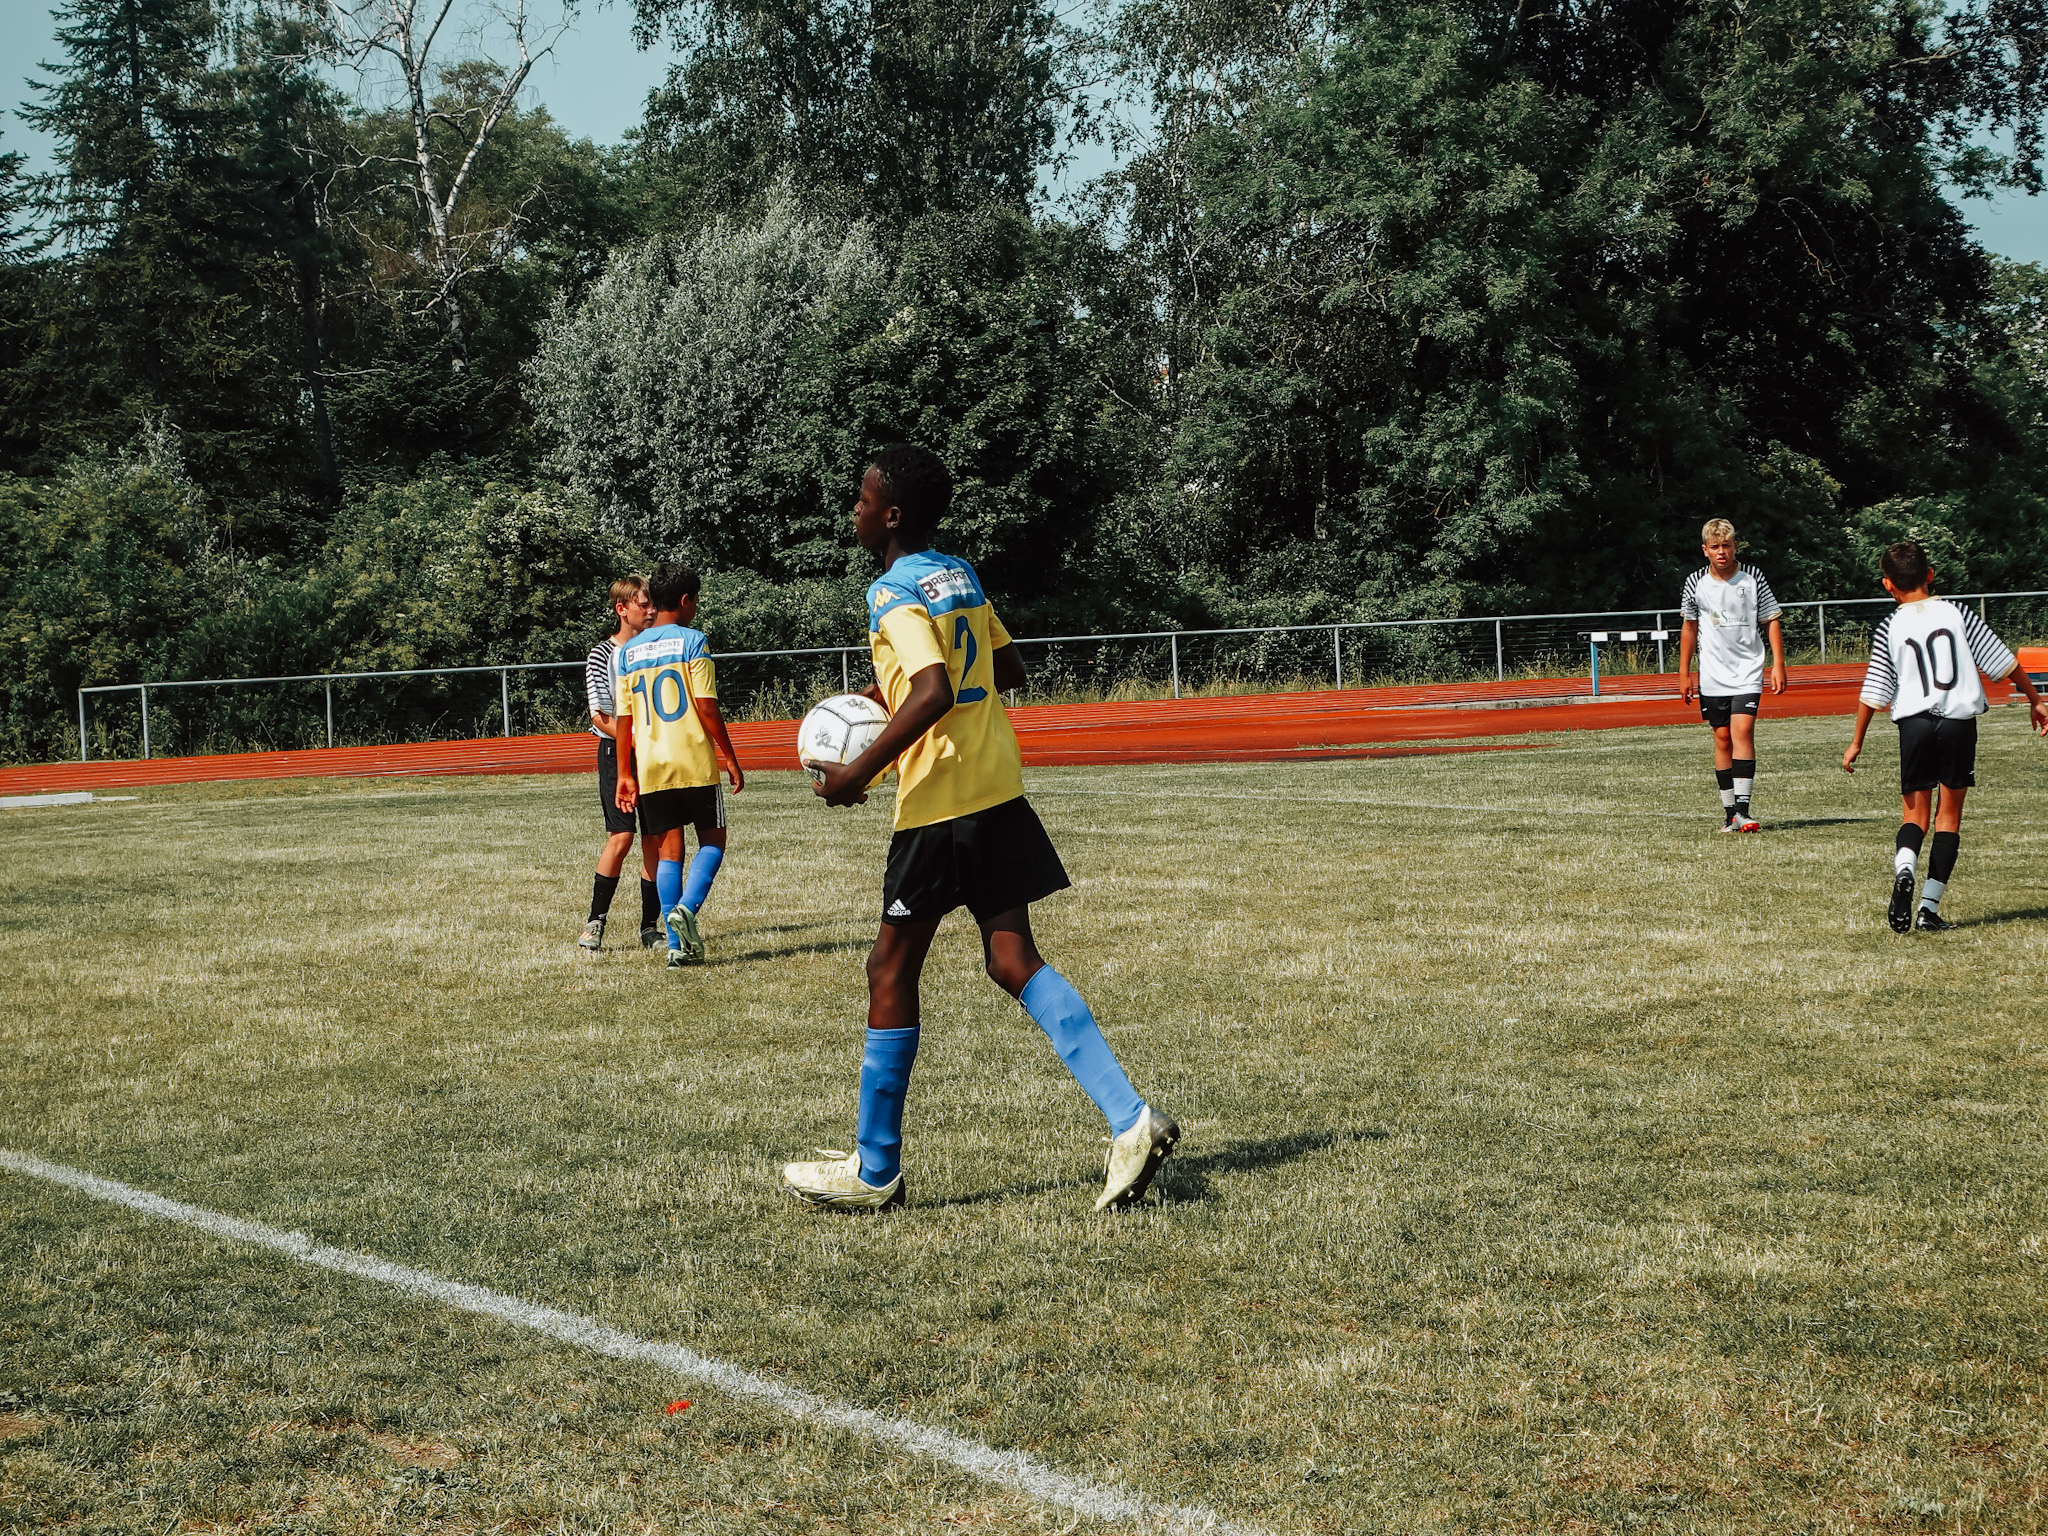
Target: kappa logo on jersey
point(882, 597)
point(941, 585)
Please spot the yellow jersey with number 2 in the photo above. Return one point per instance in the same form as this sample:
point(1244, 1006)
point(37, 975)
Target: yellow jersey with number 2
point(662, 672)
point(928, 608)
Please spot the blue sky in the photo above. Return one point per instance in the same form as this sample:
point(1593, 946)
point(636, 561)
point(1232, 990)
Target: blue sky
point(597, 80)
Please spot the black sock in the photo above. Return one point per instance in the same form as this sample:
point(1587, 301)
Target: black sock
point(1911, 837)
point(1724, 780)
point(601, 889)
point(1941, 863)
point(1744, 776)
point(650, 904)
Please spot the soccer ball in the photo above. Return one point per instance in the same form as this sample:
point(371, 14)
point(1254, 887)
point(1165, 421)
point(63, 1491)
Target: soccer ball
point(837, 730)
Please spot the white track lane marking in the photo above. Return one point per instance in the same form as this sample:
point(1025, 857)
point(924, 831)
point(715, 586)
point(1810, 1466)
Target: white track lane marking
point(1040, 787)
point(1005, 1469)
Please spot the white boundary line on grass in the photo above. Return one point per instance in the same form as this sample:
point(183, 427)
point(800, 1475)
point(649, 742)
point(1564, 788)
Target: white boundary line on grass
point(1005, 1469)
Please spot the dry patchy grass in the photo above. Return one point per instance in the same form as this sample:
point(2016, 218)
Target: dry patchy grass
point(1552, 1163)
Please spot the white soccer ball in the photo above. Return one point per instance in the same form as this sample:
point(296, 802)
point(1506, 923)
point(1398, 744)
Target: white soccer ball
point(838, 730)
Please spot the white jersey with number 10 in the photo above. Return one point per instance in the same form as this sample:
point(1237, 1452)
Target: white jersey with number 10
point(1925, 657)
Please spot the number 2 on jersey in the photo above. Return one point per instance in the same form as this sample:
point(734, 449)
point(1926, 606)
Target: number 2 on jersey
point(964, 632)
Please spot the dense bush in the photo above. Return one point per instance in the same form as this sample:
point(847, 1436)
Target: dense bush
point(116, 572)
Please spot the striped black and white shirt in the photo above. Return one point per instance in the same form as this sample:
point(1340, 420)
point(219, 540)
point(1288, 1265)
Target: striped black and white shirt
point(1917, 666)
point(597, 681)
point(1730, 616)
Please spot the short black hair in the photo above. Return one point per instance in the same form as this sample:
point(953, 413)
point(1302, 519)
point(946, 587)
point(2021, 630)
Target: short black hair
point(670, 584)
point(915, 480)
point(1906, 564)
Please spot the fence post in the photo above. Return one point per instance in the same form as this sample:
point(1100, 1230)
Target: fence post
point(1595, 644)
point(1172, 645)
point(505, 696)
point(83, 755)
point(145, 720)
point(1500, 665)
point(330, 712)
point(1660, 645)
point(1820, 611)
point(845, 677)
point(1337, 651)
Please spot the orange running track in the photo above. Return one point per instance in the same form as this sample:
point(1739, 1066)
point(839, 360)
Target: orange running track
point(1352, 722)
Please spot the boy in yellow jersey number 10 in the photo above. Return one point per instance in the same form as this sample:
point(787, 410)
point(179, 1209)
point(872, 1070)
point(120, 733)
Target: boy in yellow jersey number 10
point(668, 727)
point(965, 836)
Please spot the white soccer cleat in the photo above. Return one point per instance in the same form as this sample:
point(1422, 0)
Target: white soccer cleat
point(592, 937)
point(836, 1184)
point(682, 924)
point(1134, 1157)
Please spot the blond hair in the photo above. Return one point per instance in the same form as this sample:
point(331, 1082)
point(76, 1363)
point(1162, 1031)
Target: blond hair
point(626, 588)
point(1717, 528)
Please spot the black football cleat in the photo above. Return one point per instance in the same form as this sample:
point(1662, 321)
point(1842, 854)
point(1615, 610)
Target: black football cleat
point(1901, 914)
point(1931, 921)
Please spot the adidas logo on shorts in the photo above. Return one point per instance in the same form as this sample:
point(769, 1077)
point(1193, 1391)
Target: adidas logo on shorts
point(897, 909)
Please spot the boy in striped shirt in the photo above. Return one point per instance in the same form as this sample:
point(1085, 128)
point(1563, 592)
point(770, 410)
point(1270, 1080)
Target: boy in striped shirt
point(633, 613)
point(1924, 659)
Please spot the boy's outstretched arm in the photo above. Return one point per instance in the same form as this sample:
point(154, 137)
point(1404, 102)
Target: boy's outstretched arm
point(1688, 636)
point(1009, 668)
point(931, 695)
point(1776, 631)
point(1855, 747)
point(2037, 707)
point(714, 727)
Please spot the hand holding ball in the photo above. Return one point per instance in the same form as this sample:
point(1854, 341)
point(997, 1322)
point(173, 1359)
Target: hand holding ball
point(838, 730)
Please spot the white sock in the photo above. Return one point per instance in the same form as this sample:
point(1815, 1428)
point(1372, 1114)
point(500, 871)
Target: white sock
point(1742, 789)
point(1902, 861)
point(1930, 893)
point(1727, 799)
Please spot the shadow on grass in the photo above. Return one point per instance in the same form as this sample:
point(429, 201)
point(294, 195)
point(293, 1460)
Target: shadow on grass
point(824, 947)
point(1186, 1178)
point(2024, 915)
point(771, 928)
point(1820, 821)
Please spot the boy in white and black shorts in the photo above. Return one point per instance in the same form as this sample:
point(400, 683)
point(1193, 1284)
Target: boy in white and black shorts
point(1924, 659)
point(600, 686)
point(1728, 609)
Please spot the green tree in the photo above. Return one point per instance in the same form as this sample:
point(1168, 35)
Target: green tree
point(889, 108)
point(181, 209)
point(539, 215)
point(1479, 305)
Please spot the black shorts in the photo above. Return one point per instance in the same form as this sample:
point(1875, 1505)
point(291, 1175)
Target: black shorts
point(615, 820)
point(663, 810)
point(1715, 708)
point(991, 861)
point(1936, 751)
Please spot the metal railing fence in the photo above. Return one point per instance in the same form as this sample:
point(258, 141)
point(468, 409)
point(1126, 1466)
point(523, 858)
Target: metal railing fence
point(779, 683)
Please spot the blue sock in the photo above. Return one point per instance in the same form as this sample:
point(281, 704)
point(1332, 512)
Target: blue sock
point(703, 870)
point(884, 1081)
point(668, 883)
point(1058, 1010)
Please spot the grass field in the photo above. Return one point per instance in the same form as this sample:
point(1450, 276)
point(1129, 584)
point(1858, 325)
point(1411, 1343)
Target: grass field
point(1551, 1162)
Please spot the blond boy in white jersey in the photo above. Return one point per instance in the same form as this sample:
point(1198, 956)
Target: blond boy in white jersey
point(1725, 605)
point(1924, 659)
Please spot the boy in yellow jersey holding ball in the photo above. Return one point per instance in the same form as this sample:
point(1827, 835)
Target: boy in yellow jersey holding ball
point(965, 836)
